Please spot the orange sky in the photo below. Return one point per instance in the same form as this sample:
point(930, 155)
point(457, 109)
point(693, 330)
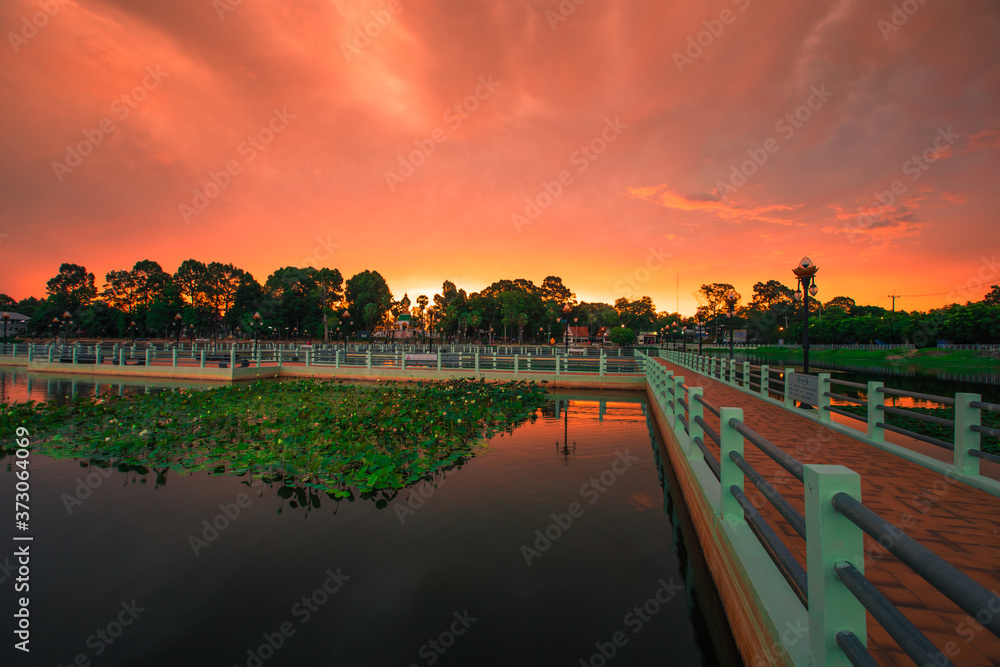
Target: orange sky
point(474, 141)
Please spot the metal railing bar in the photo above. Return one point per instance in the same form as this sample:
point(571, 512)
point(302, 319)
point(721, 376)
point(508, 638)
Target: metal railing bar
point(986, 456)
point(794, 573)
point(855, 651)
point(916, 436)
point(994, 432)
point(683, 404)
point(849, 399)
point(711, 408)
point(939, 573)
point(910, 639)
point(836, 410)
point(791, 515)
point(917, 415)
point(684, 422)
point(713, 463)
point(786, 461)
point(708, 429)
point(912, 394)
point(989, 407)
point(856, 385)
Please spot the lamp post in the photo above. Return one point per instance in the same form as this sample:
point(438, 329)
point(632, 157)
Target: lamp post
point(346, 314)
point(66, 318)
point(805, 272)
point(55, 329)
point(256, 330)
point(177, 328)
point(566, 310)
point(6, 317)
point(430, 314)
point(697, 330)
point(131, 330)
point(731, 298)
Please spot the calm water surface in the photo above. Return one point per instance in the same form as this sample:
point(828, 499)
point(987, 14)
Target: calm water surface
point(451, 573)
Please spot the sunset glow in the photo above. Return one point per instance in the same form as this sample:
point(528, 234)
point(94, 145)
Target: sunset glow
point(631, 148)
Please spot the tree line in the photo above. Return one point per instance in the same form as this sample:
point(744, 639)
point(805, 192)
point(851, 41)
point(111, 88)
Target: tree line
point(221, 300)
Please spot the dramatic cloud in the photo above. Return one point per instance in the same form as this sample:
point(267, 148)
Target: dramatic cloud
point(473, 141)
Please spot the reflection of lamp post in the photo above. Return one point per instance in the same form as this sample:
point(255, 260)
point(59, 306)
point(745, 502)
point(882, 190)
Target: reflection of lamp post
point(566, 310)
point(805, 272)
point(731, 298)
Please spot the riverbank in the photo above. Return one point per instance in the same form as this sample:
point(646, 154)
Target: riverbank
point(928, 359)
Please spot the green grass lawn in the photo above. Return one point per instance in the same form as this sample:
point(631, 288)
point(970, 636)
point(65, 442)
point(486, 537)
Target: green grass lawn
point(323, 435)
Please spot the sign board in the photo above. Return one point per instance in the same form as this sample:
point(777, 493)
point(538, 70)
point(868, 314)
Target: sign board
point(804, 388)
point(740, 336)
point(578, 350)
point(419, 356)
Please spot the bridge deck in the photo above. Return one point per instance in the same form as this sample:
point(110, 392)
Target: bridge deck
point(959, 523)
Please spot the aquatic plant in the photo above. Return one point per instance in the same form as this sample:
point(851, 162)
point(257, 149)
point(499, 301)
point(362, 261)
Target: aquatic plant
point(325, 435)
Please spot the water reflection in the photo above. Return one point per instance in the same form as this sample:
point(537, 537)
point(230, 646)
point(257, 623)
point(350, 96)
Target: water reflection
point(20, 386)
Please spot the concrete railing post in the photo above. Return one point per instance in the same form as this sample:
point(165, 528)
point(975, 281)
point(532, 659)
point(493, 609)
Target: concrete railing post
point(765, 380)
point(677, 409)
point(31, 352)
point(439, 359)
point(52, 349)
point(695, 410)
point(174, 363)
point(148, 360)
point(966, 440)
point(746, 374)
point(730, 475)
point(831, 538)
point(203, 358)
point(308, 357)
point(368, 359)
point(789, 372)
point(477, 360)
point(516, 359)
point(876, 399)
point(336, 358)
point(824, 401)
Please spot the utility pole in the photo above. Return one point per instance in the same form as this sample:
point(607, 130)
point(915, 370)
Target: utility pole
point(893, 296)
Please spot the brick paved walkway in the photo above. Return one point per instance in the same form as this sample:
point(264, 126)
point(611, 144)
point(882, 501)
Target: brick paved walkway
point(957, 522)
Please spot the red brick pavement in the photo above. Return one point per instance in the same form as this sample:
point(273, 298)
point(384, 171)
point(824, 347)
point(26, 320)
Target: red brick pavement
point(959, 523)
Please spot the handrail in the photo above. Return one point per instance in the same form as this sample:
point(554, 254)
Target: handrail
point(855, 651)
point(916, 436)
point(913, 642)
point(913, 394)
point(917, 415)
point(790, 568)
point(791, 515)
point(782, 458)
point(956, 586)
point(711, 408)
point(849, 399)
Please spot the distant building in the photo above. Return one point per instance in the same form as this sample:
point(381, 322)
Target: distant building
point(579, 335)
point(17, 323)
point(646, 338)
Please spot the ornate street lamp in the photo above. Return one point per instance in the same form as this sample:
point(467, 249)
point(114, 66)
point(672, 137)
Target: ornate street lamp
point(430, 314)
point(566, 310)
point(731, 298)
point(6, 317)
point(131, 330)
point(66, 318)
point(805, 272)
point(177, 328)
point(256, 330)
